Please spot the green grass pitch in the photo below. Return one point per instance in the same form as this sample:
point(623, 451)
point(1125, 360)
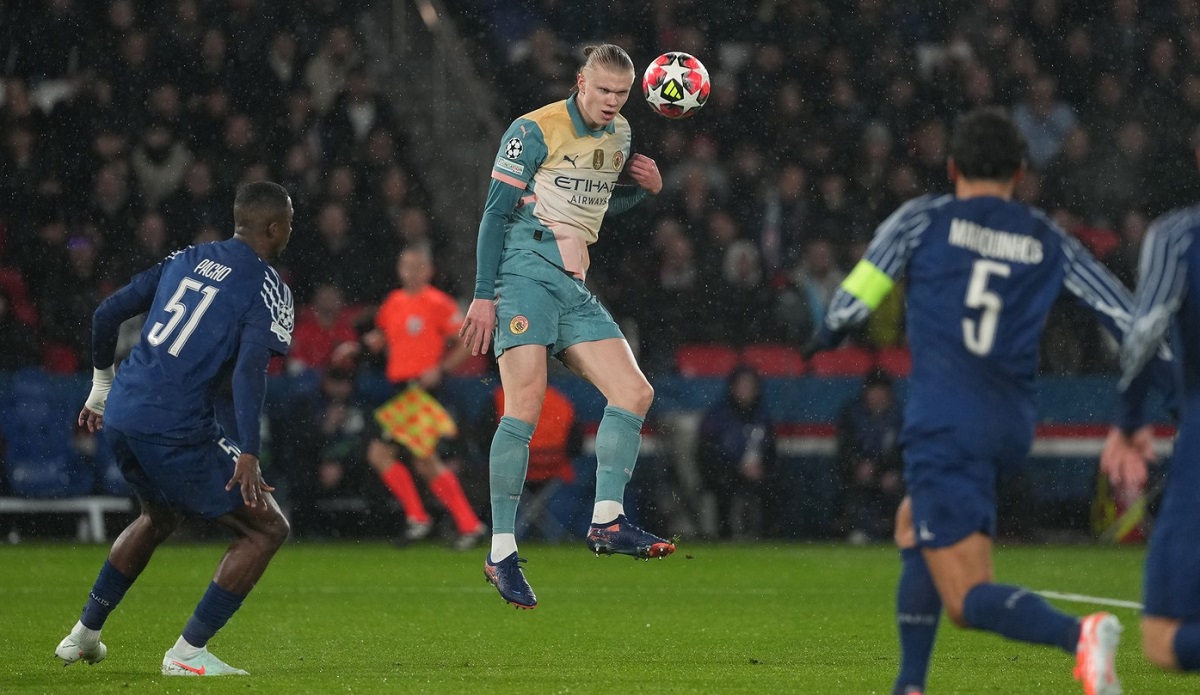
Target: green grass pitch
point(366, 617)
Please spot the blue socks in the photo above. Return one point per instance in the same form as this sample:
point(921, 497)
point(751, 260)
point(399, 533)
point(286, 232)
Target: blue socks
point(214, 610)
point(618, 441)
point(107, 592)
point(507, 464)
point(918, 609)
point(1187, 646)
point(1020, 614)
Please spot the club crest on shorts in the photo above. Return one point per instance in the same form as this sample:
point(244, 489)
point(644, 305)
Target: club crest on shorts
point(518, 325)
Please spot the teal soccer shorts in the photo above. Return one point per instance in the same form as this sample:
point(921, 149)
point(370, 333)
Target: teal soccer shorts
point(540, 304)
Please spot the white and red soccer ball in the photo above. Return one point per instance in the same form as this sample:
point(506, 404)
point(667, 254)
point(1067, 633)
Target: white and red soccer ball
point(676, 85)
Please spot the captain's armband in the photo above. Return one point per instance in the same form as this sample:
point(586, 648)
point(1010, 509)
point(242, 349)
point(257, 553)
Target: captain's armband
point(868, 284)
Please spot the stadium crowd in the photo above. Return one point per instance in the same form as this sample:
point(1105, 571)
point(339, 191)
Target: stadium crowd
point(125, 136)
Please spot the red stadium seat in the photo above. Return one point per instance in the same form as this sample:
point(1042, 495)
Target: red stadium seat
point(896, 361)
point(704, 359)
point(846, 361)
point(774, 360)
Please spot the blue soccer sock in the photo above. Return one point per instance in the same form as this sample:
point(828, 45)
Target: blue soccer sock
point(107, 592)
point(1020, 614)
point(507, 464)
point(918, 609)
point(1187, 646)
point(215, 609)
point(618, 440)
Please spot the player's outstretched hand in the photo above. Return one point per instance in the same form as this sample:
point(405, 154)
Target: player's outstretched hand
point(248, 476)
point(477, 327)
point(94, 422)
point(645, 172)
point(1125, 457)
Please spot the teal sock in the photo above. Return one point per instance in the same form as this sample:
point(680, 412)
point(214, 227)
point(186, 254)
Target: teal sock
point(507, 464)
point(617, 443)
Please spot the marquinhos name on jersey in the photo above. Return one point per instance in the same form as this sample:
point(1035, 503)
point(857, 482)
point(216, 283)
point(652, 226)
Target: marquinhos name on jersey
point(568, 174)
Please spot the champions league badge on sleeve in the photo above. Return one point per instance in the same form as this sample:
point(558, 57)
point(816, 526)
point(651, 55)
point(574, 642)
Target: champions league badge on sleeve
point(513, 148)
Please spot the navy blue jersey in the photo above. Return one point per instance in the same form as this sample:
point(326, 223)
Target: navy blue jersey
point(204, 303)
point(982, 274)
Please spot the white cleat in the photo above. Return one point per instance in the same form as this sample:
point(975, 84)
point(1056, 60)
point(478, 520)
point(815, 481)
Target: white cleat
point(74, 648)
point(203, 664)
point(1099, 636)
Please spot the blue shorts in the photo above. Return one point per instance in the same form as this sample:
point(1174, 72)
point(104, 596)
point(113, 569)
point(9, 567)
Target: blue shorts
point(190, 478)
point(1171, 588)
point(953, 490)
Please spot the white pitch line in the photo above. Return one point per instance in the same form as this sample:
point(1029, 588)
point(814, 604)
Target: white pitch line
point(1097, 600)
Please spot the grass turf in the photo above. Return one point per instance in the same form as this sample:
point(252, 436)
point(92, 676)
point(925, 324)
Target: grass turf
point(366, 617)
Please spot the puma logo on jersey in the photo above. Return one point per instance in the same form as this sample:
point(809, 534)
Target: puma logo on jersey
point(567, 158)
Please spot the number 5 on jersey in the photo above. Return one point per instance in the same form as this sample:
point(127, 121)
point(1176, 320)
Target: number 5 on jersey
point(979, 336)
point(159, 332)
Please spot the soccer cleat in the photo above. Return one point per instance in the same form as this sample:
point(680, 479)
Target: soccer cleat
point(509, 580)
point(622, 537)
point(1099, 635)
point(203, 664)
point(418, 530)
point(469, 540)
point(72, 648)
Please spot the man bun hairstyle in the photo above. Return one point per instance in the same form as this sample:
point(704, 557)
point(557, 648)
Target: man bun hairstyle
point(608, 56)
point(987, 145)
point(264, 198)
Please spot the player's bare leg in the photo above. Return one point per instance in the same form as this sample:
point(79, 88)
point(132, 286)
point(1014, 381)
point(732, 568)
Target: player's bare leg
point(130, 554)
point(261, 530)
point(523, 376)
point(609, 365)
point(957, 569)
point(963, 575)
point(1158, 641)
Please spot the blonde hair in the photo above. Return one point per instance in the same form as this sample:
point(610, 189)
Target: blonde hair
point(609, 56)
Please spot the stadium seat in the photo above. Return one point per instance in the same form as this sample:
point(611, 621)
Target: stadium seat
point(896, 361)
point(705, 359)
point(773, 360)
point(845, 361)
point(40, 458)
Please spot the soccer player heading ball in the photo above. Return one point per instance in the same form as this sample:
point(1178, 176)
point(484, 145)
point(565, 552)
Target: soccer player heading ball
point(983, 272)
point(553, 181)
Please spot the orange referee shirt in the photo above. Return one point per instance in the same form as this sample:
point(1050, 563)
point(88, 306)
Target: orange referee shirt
point(417, 327)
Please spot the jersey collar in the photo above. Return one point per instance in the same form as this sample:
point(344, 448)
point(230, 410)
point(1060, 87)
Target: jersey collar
point(581, 128)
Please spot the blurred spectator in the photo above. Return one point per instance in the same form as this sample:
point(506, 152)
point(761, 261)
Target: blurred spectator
point(18, 343)
point(358, 109)
point(324, 325)
point(325, 73)
point(335, 255)
point(195, 205)
point(1044, 120)
point(160, 163)
point(736, 456)
point(810, 284)
point(868, 453)
point(321, 442)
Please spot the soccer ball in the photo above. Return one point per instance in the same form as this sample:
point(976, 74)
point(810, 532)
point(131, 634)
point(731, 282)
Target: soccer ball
point(676, 85)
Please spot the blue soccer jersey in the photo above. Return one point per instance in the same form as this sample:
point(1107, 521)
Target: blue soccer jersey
point(982, 274)
point(1166, 307)
point(203, 303)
